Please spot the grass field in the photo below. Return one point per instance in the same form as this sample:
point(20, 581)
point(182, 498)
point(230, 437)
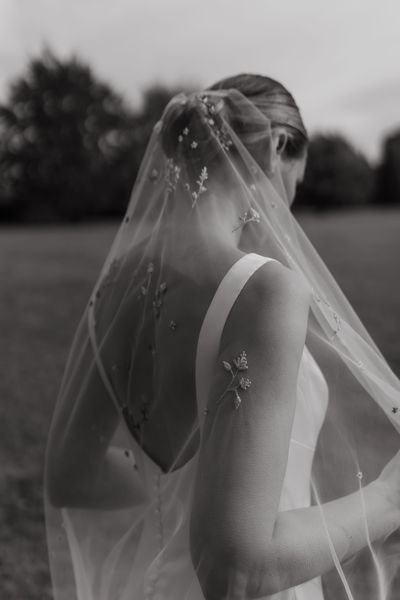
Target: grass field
point(47, 275)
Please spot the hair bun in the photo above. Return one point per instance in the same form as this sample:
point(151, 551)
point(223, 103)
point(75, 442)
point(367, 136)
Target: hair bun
point(180, 119)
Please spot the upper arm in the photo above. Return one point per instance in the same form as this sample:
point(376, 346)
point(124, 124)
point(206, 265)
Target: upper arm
point(244, 451)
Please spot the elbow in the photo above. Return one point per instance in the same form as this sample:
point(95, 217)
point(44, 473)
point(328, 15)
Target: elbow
point(231, 580)
point(227, 571)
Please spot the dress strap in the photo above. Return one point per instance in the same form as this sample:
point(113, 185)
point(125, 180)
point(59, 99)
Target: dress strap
point(218, 311)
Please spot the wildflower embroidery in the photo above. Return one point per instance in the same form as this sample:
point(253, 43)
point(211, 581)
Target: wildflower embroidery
point(136, 424)
point(249, 216)
point(221, 132)
point(337, 324)
point(184, 133)
point(144, 288)
point(153, 176)
point(158, 300)
point(238, 381)
point(200, 186)
point(172, 175)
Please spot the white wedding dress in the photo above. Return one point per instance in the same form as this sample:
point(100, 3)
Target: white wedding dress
point(161, 566)
point(179, 580)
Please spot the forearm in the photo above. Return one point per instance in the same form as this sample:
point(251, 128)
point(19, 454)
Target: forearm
point(115, 485)
point(299, 549)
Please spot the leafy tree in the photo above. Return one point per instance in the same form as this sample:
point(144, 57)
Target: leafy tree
point(388, 175)
point(337, 175)
point(63, 134)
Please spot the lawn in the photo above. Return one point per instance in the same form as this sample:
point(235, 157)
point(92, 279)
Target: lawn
point(47, 275)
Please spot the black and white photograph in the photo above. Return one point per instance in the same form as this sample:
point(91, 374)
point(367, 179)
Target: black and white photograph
point(200, 307)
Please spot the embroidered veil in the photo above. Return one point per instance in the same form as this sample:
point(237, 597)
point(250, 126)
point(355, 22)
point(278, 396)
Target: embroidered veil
point(124, 442)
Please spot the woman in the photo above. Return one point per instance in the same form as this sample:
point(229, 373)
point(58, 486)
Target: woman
point(193, 453)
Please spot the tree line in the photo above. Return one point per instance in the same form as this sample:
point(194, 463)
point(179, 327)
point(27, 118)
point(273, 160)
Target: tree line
point(71, 146)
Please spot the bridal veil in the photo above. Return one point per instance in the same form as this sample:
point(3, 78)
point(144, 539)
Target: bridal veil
point(119, 364)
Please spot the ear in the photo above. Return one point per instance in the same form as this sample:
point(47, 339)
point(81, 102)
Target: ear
point(279, 141)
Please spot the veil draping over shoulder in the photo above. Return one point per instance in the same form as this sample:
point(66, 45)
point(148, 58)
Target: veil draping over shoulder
point(124, 440)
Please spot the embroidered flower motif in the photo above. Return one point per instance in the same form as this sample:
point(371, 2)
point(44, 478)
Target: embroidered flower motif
point(237, 400)
point(158, 300)
point(249, 216)
point(337, 324)
point(236, 383)
point(210, 110)
point(145, 286)
point(153, 175)
point(180, 139)
point(172, 325)
point(172, 175)
point(317, 297)
point(185, 131)
point(359, 475)
point(200, 186)
point(194, 145)
point(136, 424)
point(244, 383)
point(241, 361)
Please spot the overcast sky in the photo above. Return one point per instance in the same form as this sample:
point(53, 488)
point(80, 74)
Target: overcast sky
point(340, 59)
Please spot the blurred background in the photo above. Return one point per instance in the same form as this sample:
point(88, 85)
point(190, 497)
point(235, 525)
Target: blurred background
point(82, 82)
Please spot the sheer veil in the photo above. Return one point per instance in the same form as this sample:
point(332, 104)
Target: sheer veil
point(119, 412)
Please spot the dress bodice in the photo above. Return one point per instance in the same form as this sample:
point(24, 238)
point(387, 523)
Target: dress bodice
point(311, 405)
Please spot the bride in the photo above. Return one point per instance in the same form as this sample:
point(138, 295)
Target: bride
point(225, 429)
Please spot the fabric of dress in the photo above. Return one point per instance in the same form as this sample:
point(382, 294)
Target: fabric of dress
point(117, 519)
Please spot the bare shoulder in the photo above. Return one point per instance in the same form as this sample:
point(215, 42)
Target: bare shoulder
point(274, 280)
point(275, 298)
